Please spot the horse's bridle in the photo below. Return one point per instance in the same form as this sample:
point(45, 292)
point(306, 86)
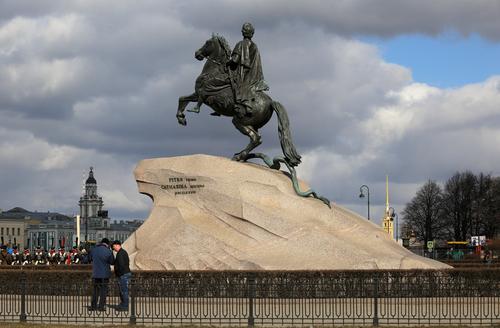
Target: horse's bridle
point(213, 60)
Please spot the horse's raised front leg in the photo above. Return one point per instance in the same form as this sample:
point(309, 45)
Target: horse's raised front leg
point(183, 102)
point(254, 136)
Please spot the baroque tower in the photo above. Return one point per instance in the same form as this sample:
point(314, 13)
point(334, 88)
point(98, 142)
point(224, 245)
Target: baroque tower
point(90, 203)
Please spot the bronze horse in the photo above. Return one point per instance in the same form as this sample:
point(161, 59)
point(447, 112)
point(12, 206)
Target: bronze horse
point(214, 88)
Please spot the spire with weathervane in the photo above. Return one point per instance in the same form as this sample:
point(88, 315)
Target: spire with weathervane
point(387, 221)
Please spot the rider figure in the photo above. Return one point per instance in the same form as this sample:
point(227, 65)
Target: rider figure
point(245, 60)
point(249, 79)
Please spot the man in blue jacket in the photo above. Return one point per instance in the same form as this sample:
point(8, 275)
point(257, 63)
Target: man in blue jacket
point(102, 258)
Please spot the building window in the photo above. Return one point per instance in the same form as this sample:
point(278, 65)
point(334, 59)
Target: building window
point(19, 231)
point(7, 233)
point(2, 231)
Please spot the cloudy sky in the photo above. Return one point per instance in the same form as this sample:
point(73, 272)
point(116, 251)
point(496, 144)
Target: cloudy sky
point(405, 88)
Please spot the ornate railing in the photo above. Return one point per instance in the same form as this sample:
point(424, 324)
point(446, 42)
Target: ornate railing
point(397, 297)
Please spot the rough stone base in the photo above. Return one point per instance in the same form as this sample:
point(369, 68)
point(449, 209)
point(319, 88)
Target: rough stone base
point(213, 213)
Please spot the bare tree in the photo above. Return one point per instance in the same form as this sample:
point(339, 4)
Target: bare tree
point(468, 206)
point(486, 216)
point(459, 197)
point(424, 213)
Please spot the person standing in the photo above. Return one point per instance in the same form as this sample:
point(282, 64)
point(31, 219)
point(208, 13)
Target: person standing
point(26, 256)
point(16, 257)
point(122, 272)
point(102, 258)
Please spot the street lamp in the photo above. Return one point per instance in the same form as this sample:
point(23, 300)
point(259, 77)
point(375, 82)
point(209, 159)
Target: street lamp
point(362, 195)
point(394, 214)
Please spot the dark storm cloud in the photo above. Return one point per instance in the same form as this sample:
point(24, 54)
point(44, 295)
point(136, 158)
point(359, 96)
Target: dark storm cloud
point(384, 18)
point(11, 9)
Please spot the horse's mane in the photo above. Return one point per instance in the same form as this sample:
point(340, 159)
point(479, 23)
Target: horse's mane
point(224, 44)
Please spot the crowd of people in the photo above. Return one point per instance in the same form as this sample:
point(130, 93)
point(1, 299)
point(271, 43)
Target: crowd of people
point(10, 255)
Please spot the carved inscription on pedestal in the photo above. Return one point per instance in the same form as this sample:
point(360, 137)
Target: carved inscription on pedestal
point(183, 185)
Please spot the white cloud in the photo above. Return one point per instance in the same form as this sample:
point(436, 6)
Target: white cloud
point(41, 78)
point(45, 35)
point(22, 149)
point(427, 133)
point(119, 199)
point(57, 158)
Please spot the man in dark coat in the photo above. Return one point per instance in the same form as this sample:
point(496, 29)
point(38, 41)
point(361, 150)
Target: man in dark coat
point(102, 258)
point(122, 272)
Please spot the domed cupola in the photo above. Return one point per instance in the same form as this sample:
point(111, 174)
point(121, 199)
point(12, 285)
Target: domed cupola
point(91, 179)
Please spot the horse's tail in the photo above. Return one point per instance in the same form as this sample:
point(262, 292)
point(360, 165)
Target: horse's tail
point(291, 155)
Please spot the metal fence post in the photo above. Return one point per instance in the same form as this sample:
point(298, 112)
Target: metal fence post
point(375, 299)
point(251, 296)
point(133, 318)
point(22, 316)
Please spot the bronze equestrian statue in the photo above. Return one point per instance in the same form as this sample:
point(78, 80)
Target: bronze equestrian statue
point(232, 84)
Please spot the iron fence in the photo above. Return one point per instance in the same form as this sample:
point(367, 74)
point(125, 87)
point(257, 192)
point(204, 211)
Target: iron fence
point(399, 297)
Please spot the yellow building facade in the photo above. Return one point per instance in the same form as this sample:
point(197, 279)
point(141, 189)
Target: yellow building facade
point(13, 232)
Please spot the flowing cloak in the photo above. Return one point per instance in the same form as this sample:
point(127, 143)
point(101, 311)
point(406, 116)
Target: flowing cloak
point(249, 78)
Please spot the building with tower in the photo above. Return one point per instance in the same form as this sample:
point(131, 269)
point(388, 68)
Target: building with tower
point(94, 221)
point(30, 229)
point(91, 204)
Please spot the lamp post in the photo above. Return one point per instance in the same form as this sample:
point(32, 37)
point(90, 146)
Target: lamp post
point(394, 214)
point(362, 195)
